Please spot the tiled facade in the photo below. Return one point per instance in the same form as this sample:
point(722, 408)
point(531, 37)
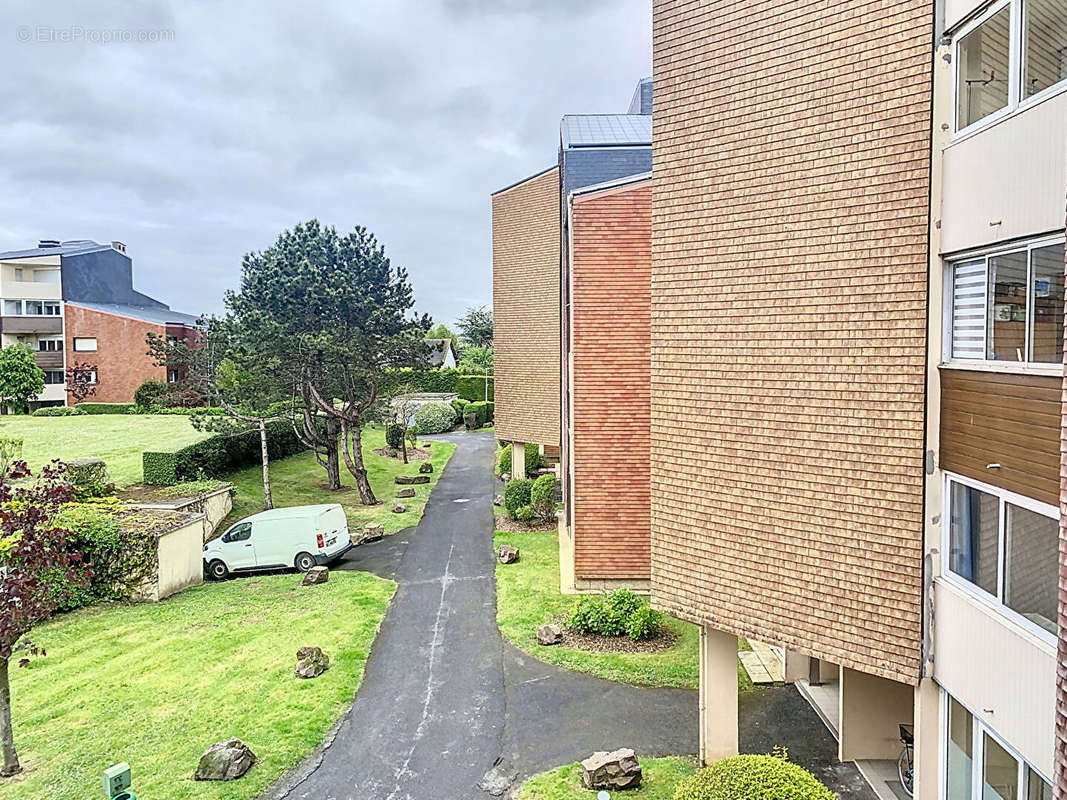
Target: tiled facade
point(1060, 777)
point(526, 310)
point(609, 276)
point(789, 265)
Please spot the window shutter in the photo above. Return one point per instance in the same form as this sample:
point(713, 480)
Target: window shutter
point(968, 310)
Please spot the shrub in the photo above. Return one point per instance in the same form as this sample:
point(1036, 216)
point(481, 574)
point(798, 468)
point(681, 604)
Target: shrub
point(543, 497)
point(150, 393)
point(89, 477)
point(643, 623)
point(56, 411)
point(482, 410)
point(470, 421)
point(435, 417)
point(524, 514)
point(533, 459)
point(517, 495)
point(104, 408)
point(621, 613)
point(753, 778)
point(460, 406)
point(181, 411)
point(472, 387)
point(588, 616)
point(394, 435)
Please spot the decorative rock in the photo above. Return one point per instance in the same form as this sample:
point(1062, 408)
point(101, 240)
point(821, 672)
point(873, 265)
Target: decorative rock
point(507, 554)
point(425, 467)
point(616, 770)
point(372, 532)
point(311, 662)
point(406, 492)
point(399, 508)
point(406, 480)
point(427, 445)
point(315, 576)
point(498, 500)
point(505, 476)
point(225, 761)
point(549, 635)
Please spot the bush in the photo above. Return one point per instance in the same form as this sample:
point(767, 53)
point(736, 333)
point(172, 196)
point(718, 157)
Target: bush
point(89, 477)
point(150, 393)
point(56, 411)
point(533, 459)
point(753, 778)
point(460, 406)
point(482, 409)
point(182, 411)
point(219, 455)
point(435, 418)
point(470, 421)
point(104, 408)
point(643, 623)
point(543, 497)
point(621, 613)
point(517, 495)
point(394, 435)
point(524, 514)
point(588, 616)
point(472, 387)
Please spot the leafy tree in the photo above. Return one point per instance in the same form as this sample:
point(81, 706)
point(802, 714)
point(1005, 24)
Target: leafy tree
point(476, 326)
point(21, 379)
point(476, 360)
point(442, 331)
point(30, 548)
point(331, 312)
point(151, 391)
point(395, 407)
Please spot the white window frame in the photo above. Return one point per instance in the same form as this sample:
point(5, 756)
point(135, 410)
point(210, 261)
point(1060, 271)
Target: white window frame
point(91, 372)
point(1016, 102)
point(949, 264)
point(76, 349)
point(978, 731)
point(1004, 497)
point(57, 339)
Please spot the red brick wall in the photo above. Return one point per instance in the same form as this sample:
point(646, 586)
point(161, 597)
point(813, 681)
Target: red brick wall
point(611, 262)
point(120, 357)
point(1059, 780)
point(791, 156)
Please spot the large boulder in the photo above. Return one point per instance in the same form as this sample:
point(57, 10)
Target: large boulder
point(315, 576)
point(425, 467)
point(618, 769)
point(372, 532)
point(311, 662)
point(406, 480)
point(549, 634)
point(225, 761)
point(507, 554)
point(407, 491)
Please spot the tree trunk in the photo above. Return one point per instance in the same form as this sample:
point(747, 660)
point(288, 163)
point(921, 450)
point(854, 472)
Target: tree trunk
point(333, 464)
point(404, 444)
point(7, 735)
point(354, 462)
point(268, 501)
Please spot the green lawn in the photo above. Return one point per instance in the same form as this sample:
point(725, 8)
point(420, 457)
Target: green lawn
point(299, 480)
point(155, 684)
point(659, 777)
point(528, 596)
point(119, 439)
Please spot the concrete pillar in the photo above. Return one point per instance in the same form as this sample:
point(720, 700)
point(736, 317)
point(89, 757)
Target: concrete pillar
point(871, 712)
point(518, 459)
point(718, 695)
point(927, 728)
point(566, 558)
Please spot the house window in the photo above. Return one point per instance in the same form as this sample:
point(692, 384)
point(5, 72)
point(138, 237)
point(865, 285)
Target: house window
point(46, 276)
point(12, 308)
point(83, 344)
point(54, 377)
point(1001, 65)
point(50, 345)
point(172, 375)
point(18, 273)
point(1005, 545)
point(86, 377)
point(979, 766)
point(1008, 306)
point(34, 308)
point(52, 310)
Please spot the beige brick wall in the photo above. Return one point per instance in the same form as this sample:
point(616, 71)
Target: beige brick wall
point(526, 315)
point(791, 158)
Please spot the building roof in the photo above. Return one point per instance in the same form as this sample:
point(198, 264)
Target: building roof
point(160, 316)
point(438, 350)
point(606, 130)
point(67, 248)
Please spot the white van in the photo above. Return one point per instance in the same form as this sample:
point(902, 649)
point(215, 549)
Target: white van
point(299, 536)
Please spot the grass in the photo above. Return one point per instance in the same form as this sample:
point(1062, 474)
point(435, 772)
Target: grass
point(119, 439)
point(528, 596)
point(156, 684)
point(659, 777)
point(299, 480)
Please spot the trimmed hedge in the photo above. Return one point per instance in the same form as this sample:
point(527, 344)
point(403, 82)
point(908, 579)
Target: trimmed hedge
point(439, 381)
point(484, 411)
point(543, 497)
point(753, 778)
point(219, 455)
point(472, 387)
point(517, 495)
point(105, 408)
point(56, 411)
point(533, 459)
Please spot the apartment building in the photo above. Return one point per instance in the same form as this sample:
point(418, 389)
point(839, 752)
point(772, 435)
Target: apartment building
point(74, 303)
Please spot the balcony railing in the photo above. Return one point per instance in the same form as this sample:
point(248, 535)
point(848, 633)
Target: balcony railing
point(34, 324)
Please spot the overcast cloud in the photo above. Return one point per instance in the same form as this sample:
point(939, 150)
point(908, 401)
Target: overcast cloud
point(400, 115)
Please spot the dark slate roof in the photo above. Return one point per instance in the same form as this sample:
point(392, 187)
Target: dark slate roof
point(438, 350)
point(605, 130)
point(588, 166)
point(160, 316)
point(68, 248)
point(641, 103)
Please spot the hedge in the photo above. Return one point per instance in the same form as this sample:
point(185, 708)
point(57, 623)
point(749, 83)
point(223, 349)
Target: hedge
point(754, 778)
point(439, 381)
point(55, 411)
point(472, 387)
point(483, 410)
point(219, 455)
point(105, 408)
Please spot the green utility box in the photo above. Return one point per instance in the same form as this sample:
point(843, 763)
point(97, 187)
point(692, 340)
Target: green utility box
point(117, 780)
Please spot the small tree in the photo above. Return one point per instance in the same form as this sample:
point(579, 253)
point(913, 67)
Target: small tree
point(476, 327)
point(477, 360)
point(21, 380)
point(82, 379)
point(30, 547)
point(395, 409)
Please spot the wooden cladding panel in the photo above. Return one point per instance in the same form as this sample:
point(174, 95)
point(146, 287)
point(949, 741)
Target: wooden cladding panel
point(1007, 419)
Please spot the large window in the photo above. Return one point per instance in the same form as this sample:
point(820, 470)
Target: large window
point(1016, 51)
point(978, 766)
point(1006, 546)
point(84, 344)
point(1008, 306)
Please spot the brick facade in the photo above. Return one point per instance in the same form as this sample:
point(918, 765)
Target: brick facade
point(526, 310)
point(791, 155)
point(1059, 780)
point(121, 361)
point(610, 269)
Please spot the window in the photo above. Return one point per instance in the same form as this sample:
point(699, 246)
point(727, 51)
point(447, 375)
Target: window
point(239, 533)
point(46, 276)
point(34, 308)
point(1007, 546)
point(172, 375)
point(1008, 306)
point(18, 273)
point(12, 308)
point(978, 766)
point(86, 377)
point(50, 345)
point(1001, 64)
point(54, 377)
point(84, 344)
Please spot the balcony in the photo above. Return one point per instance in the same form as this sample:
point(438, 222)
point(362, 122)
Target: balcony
point(32, 324)
point(30, 290)
point(49, 359)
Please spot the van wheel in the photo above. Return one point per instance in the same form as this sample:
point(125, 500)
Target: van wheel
point(304, 562)
point(218, 570)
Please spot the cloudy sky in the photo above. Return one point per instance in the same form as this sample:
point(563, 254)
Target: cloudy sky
point(216, 125)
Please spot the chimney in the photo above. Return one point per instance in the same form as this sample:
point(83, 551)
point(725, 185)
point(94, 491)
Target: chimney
point(120, 246)
point(48, 243)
